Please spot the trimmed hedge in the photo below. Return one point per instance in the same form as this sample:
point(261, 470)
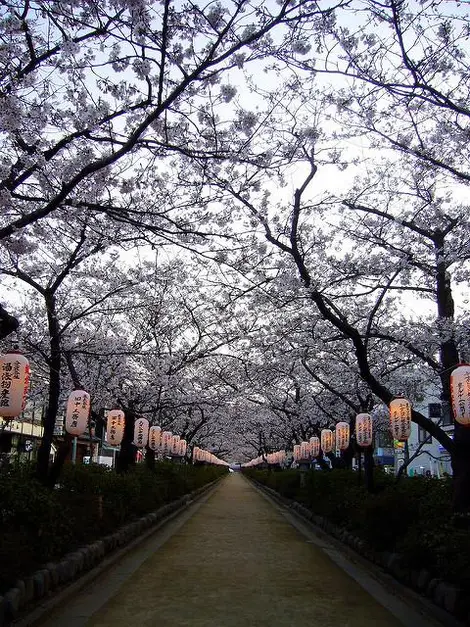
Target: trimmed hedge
point(412, 517)
point(38, 525)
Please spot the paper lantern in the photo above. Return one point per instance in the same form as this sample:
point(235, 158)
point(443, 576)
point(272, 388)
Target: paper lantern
point(326, 439)
point(400, 419)
point(174, 448)
point(296, 452)
point(155, 436)
point(342, 435)
point(27, 378)
point(304, 450)
point(115, 427)
point(166, 442)
point(460, 394)
point(182, 448)
point(77, 412)
point(14, 379)
point(314, 446)
point(141, 432)
point(363, 429)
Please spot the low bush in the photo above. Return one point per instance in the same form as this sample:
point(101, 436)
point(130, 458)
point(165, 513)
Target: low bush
point(38, 525)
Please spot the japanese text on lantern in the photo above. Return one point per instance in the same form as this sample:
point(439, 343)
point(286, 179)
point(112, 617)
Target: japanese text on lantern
point(6, 384)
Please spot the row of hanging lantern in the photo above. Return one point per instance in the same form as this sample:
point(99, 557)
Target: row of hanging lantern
point(201, 455)
point(161, 442)
point(14, 385)
point(278, 458)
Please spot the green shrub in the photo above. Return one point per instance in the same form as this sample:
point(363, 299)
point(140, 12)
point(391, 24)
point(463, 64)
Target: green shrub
point(412, 517)
point(38, 525)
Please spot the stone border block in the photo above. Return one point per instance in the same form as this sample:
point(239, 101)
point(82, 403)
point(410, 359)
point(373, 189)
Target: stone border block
point(12, 603)
point(39, 584)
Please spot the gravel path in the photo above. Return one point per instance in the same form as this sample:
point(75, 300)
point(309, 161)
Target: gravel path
point(237, 562)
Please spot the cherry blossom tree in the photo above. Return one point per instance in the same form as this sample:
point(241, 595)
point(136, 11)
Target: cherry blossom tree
point(97, 96)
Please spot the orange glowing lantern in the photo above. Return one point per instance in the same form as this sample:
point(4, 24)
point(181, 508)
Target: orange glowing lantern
point(296, 452)
point(174, 446)
point(141, 432)
point(182, 448)
point(14, 381)
point(115, 427)
point(342, 435)
point(460, 394)
point(363, 429)
point(304, 450)
point(400, 419)
point(315, 446)
point(166, 442)
point(327, 441)
point(155, 435)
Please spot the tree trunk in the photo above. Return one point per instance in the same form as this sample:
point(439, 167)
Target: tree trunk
point(149, 458)
point(126, 458)
point(449, 358)
point(44, 451)
point(59, 461)
point(8, 323)
point(461, 470)
point(347, 456)
point(369, 468)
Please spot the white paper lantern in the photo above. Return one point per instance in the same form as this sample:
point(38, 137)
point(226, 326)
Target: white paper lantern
point(296, 452)
point(166, 442)
point(326, 439)
point(460, 394)
point(400, 419)
point(342, 435)
point(115, 427)
point(155, 436)
point(77, 412)
point(363, 429)
point(314, 446)
point(141, 432)
point(27, 378)
point(182, 448)
point(174, 444)
point(304, 450)
point(14, 379)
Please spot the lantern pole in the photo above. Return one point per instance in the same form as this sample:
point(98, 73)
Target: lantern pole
point(74, 450)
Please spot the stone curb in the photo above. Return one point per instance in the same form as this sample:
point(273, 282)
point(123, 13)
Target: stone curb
point(447, 596)
point(56, 576)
